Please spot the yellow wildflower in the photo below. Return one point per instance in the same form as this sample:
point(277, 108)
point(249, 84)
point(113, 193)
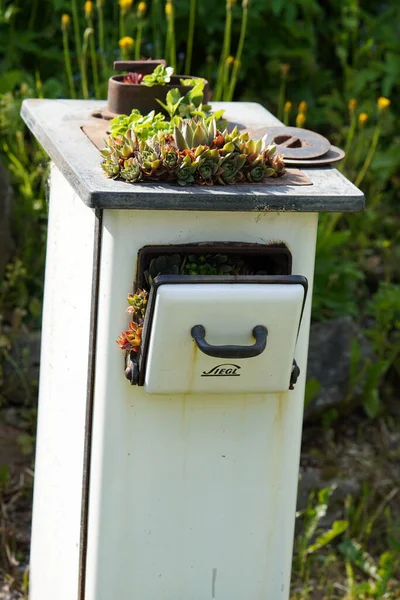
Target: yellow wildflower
point(352, 104)
point(303, 107)
point(169, 9)
point(230, 60)
point(125, 4)
point(126, 43)
point(88, 8)
point(238, 63)
point(383, 103)
point(287, 107)
point(65, 22)
point(300, 119)
point(142, 8)
point(363, 118)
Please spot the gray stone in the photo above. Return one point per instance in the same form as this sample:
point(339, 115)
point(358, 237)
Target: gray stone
point(21, 370)
point(6, 241)
point(57, 124)
point(329, 361)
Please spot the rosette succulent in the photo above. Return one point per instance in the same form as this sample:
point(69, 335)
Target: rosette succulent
point(207, 265)
point(131, 171)
point(170, 157)
point(164, 265)
point(111, 165)
point(186, 171)
point(192, 133)
point(131, 339)
point(196, 152)
point(138, 305)
point(207, 164)
point(256, 171)
point(231, 168)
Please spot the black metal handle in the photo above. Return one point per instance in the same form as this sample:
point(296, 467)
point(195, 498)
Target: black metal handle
point(260, 334)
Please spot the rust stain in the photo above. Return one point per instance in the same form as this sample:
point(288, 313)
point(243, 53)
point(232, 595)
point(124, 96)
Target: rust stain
point(192, 367)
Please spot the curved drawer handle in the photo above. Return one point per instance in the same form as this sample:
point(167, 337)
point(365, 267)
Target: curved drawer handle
point(260, 334)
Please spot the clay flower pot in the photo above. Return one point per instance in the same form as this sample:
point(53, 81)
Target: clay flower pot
point(124, 97)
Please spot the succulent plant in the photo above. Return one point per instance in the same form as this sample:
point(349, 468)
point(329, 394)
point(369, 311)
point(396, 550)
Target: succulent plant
point(278, 165)
point(164, 265)
point(257, 170)
point(131, 171)
point(185, 173)
point(208, 165)
point(230, 168)
point(170, 157)
point(196, 153)
point(191, 133)
point(207, 265)
point(138, 305)
point(131, 339)
point(111, 166)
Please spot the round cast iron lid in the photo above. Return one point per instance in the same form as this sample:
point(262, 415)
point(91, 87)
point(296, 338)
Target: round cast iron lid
point(333, 155)
point(294, 142)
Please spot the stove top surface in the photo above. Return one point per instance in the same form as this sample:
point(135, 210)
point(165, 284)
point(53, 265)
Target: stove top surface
point(57, 125)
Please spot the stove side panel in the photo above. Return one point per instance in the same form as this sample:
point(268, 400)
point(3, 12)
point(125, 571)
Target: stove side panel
point(62, 395)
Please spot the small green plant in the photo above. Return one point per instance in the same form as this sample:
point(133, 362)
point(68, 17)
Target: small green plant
point(160, 76)
point(143, 126)
point(190, 105)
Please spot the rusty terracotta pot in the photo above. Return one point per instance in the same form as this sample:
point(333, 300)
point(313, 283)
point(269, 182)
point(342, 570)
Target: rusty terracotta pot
point(124, 97)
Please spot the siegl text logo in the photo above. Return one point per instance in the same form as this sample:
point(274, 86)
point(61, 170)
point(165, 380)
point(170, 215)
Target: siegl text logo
point(225, 370)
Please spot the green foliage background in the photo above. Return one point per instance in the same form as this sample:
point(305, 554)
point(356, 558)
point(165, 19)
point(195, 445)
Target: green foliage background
point(337, 51)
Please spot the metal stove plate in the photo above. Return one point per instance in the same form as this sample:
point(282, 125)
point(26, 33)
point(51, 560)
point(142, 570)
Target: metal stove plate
point(313, 144)
point(334, 155)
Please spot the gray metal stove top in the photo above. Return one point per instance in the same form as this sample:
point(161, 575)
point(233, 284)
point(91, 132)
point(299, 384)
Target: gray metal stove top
point(57, 126)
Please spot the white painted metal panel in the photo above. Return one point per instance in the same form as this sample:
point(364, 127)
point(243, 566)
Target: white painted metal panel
point(229, 313)
point(191, 496)
point(62, 396)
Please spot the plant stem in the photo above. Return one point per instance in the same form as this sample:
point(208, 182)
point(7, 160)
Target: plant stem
point(237, 63)
point(100, 18)
point(189, 48)
point(94, 63)
point(77, 31)
point(370, 155)
point(226, 48)
point(281, 100)
point(286, 115)
point(167, 44)
point(350, 137)
point(138, 41)
point(32, 17)
point(157, 21)
point(86, 36)
point(68, 68)
point(171, 27)
point(359, 146)
point(121, 24)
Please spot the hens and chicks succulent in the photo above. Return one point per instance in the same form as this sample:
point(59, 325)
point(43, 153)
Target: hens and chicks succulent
point(195, 153)
point(131, 339)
